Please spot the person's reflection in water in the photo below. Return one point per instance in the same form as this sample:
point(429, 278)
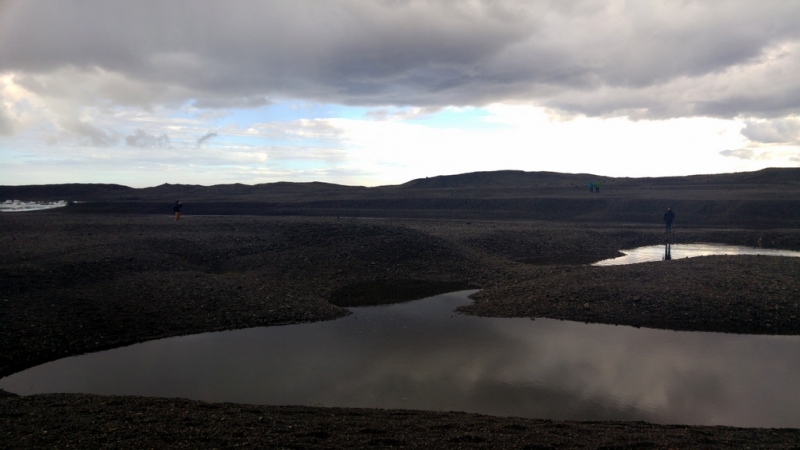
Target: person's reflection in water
point(667, 252)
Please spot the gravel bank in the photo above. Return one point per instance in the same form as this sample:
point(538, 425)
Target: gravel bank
point(734, 294)
point(149, 277)
point(80, 283)
point(88, 421)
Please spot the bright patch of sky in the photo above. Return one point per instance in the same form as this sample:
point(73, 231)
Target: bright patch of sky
point(451, 117)
point(303, 141)
point(393, 145)
point(530, 138)
point(286, 111)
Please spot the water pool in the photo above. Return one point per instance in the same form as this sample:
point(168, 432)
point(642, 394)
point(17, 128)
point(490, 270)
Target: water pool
point(677, 251)
point(422, 355)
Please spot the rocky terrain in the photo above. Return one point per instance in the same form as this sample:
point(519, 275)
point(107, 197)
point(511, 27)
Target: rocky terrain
point(97, 422)
point(75, 280)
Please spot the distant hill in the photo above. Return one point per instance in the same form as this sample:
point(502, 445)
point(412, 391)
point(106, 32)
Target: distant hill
point(243, 192)
point(500, 178)
point(766, 198)
point(73, 191)
point(518, 178)
point(190, 192)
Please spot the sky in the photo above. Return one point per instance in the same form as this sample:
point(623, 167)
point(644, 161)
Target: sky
point(377, 92)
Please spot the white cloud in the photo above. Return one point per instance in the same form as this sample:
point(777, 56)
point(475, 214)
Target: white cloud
point(773, 131)
point(144, 140)
point(404, 144)
point(533, 139)
point(7, 124)
point(90, 135)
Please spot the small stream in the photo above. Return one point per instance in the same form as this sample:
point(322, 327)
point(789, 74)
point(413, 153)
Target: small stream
point(423, 355)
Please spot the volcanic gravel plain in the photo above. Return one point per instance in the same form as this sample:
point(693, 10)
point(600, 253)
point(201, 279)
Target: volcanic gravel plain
point(77, 280)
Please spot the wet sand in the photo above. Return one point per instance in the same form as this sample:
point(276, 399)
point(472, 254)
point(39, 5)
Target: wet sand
point(80, 283)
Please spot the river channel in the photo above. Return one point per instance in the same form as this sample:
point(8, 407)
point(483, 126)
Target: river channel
point(423, 355)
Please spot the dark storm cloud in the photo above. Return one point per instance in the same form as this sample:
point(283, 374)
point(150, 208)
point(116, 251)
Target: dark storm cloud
point(645, 58)
point(142, 139)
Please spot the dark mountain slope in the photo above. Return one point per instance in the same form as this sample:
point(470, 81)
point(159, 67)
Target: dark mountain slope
point(767, 198)
point(72, 191)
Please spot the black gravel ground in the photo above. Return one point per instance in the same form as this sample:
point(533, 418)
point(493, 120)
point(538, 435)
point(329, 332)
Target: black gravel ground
point(743, 294)
point(89, 421)
point(79, 283)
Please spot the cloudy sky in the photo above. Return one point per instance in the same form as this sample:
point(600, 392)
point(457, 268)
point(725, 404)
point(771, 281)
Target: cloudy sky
point(372, 92)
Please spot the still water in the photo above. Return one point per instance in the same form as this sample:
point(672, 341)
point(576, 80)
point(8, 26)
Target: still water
point(677, 251)
point(423, 355)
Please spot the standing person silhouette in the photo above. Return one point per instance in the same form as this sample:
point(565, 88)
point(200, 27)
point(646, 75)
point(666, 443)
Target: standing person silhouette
point(669, 216)
point(176, 208)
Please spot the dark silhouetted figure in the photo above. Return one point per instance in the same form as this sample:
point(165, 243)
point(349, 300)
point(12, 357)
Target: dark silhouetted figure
point(597, 186)
point(176, 208)
point(669, 216)
point(591, 186)
point(667, 252)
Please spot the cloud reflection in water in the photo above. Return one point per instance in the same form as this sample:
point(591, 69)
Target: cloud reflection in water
point(422, 355)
